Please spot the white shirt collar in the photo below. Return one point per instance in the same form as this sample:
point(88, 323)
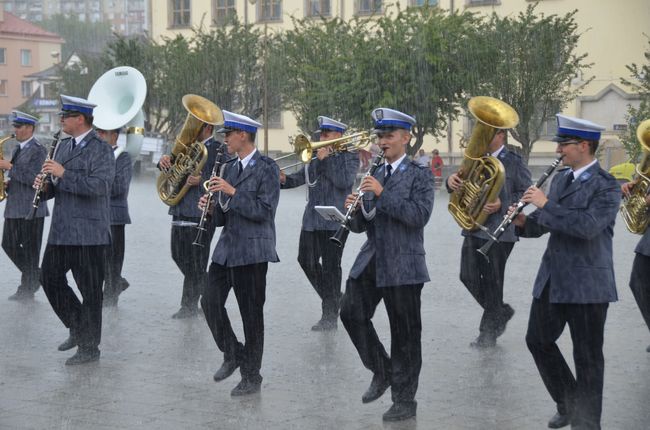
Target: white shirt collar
point(24, 143)
point(580, 171)
point(395, 165)
point(247, 159)
point(81, 137)
point(498, 151)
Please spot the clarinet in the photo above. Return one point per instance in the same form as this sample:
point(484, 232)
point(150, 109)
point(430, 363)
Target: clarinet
point(36, 201)
point(205, 215)
point(343, 231)
point(508, 218)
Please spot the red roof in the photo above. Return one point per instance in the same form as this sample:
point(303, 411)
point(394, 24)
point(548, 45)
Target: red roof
point(16, 26)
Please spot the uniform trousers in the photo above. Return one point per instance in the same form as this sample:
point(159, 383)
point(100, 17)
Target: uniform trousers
point(483, 278)
point(249, 285)
point(83, 318)
point(583, 394)
point(320, 259)
point(640, 285)
point(115, 284)
point(192, 260)
point(402, 304)
point(21, 240)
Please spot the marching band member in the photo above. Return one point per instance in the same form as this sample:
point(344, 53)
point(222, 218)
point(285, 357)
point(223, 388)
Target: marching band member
point(329, 178)
point(82, 172)
point(398, 201)
point(21, 237)
point(640, 276)
point(114, 282)
point(248, 192)
point(575, 282)
point(192, 260)
point(483, 278)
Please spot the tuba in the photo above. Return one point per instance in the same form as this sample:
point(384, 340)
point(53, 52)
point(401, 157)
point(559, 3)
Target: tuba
point(119, 95)
point(482, 175)
point(188, 154)
point(634, 208)
point(3, 185)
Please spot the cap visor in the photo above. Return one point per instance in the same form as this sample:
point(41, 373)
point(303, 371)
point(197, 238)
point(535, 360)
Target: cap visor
point(562, 138)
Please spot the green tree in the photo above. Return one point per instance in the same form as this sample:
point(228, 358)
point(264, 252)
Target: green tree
point(639, 82)
point(80, 36)
point(532, 62)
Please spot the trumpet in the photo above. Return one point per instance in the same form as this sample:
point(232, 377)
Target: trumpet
point(304, 148)
point(508, 218)
point(3, 185)
point(343, 231)
point(36, 201)
point(205, 214)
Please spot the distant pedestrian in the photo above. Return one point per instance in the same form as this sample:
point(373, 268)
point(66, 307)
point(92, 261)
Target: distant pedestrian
point(422, 159)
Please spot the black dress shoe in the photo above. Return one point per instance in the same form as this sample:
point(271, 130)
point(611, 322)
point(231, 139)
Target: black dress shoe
point(185, 312)
point(22, 295)
point(69, 343)
point(377, 387)
point(246, 387)
point(508, 312)
point(325, 325)
point(484, 340)
point(123, 284)
point(226, 369)
point(400, 411)
point(83, 355)
point(559, 420)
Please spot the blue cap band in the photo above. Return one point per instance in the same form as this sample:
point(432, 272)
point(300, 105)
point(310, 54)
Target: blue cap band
point(23, 121)
point(332, 127)
point(75, 108)
point(588, 135)
point(386, 123)
point(240, 126)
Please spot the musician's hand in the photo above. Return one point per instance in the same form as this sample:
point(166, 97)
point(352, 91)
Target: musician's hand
point(534, 196)
point(5, 165)
point(219, 184)
point(350, 199)
point(370, 184)
point(203, 201)
point(165, 162)
point(37, 183)
point(53, 168)
point(283, 177)
point(492, 207)
point(626, 188)
point(454, 182)
point(324, 152)
point(193, 180)
point(519, 220)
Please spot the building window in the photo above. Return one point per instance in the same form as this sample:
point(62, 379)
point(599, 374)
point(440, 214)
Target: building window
point(269, 10)
point(482, 2)
point(3, 55)
point(417, 3)
point(368, 7)
point(25, 57)
point(3, 87)
point(318, 8)
point(180, 13)
point(223, 10)
point(26, 89)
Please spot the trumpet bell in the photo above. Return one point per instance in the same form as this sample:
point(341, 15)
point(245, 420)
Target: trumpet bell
point(202, 109)
point(493, 112)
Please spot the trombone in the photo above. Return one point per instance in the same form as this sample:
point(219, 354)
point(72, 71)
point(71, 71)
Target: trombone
point(304, 149)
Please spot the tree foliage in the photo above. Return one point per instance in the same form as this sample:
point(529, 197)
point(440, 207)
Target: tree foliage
point(639, 82)
point(80, 36)
point(532, 63)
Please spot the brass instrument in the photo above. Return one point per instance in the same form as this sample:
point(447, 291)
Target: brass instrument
point(482, 175)
point(3, 186)
point(304, 149)
point(634, 208)
point(188, 154)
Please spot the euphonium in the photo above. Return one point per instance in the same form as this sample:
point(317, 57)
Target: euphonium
point(188, 154)
point(634, 208)
point(482, 175)
point(3, 186)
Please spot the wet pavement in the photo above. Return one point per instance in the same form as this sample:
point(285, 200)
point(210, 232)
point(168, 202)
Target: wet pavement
point(156, 372)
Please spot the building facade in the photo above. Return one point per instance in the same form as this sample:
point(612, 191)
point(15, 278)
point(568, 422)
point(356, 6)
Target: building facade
point(611, 44)
point(24, 50)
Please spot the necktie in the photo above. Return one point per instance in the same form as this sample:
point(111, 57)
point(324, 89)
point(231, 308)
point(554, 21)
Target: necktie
point(16, 152)
point(240, 168)
point(568, 180)
point(74, 143)
point(389, 170)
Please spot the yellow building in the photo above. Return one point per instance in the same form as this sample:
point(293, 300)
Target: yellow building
point(611, 34)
